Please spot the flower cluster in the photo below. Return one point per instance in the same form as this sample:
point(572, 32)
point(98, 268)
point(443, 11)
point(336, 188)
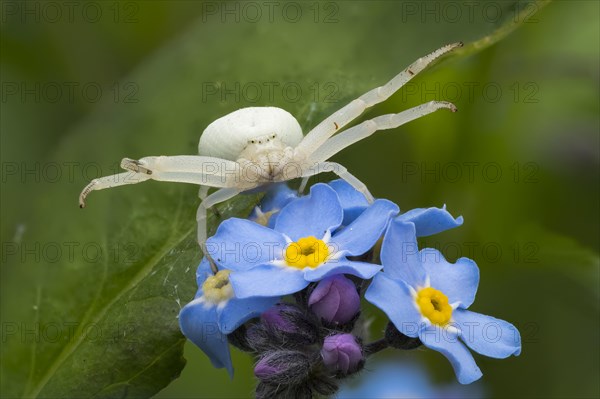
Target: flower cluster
point(286, 285)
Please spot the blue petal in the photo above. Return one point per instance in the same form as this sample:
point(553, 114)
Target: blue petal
point(267, 281)
point(400, 254)
point(447, 344)
point(430, 221)
point(199, 324)
point(312, 215)
point(240, 244)
point(341, 266)
point(353, 202)
point(395, 299)
point(362, 234)
point(202, 273)
point(487, 335)
point(278, 195)
point(239, 311)
point(457, 281)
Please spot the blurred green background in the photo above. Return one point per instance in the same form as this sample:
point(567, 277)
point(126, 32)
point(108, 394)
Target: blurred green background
point(85, 84)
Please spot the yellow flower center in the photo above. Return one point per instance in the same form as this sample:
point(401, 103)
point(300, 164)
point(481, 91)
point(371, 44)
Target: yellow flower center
point(306, 252)
point(433, 304)
point(217, 288)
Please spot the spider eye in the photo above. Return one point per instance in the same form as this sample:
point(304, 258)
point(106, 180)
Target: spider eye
point(252, 141)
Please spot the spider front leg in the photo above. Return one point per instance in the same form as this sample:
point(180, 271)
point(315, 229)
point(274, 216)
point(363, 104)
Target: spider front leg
point(342, 172)
point(120, 179)
point(194, 169)
point(324, 130)
point(390, 121)
point(205, 171)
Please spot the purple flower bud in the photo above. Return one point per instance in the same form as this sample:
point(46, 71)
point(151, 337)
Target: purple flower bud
point(342, 353)
point(278, 318)
point(264, 370)
point(283, 367)
point(335, 299)
point(283, 325)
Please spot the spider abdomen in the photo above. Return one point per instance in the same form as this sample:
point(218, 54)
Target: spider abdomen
point(254, 127)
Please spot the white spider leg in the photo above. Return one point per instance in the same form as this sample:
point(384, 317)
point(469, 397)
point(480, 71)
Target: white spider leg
point(205, 171)
point(342, 172)
point(218, 196)
point(303, 185)
point(203, 192)
point(195, 178)
point(183, 163)
point(324, 130)
point(194, 169)
point(391, 121)
point(119, 179)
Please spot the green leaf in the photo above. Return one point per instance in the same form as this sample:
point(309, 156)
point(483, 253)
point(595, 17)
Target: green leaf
point(90, 298)
point(105, 324)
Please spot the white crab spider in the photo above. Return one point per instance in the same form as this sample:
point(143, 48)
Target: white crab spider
point(255, 146)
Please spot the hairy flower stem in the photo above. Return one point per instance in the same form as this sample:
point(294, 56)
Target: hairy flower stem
point(374, 347)
point(301, 298)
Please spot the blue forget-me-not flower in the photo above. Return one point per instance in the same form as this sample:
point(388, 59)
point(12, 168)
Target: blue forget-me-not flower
point(215, 312)
point(322, 248)
point(305, 245)
point(427, 297)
